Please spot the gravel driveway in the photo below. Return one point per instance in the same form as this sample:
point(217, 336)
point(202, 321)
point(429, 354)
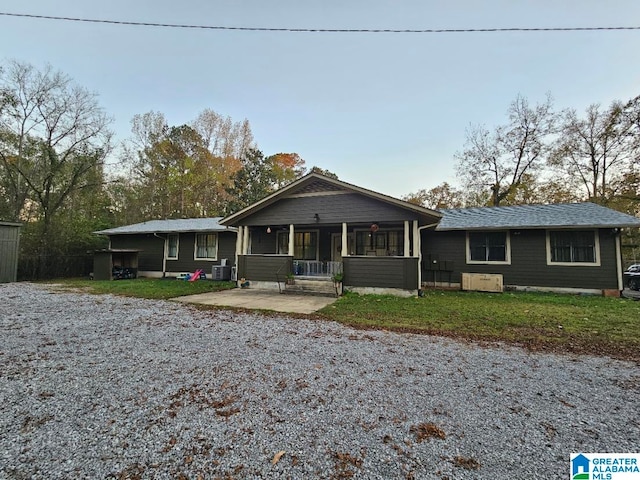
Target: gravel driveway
point(122, 388)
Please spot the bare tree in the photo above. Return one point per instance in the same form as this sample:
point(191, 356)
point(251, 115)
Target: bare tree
point(498, 161)
point(223, 137)
point(54, 139)
point(597, 149)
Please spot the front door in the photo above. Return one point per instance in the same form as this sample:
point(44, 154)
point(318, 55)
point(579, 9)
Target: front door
point(336, 246)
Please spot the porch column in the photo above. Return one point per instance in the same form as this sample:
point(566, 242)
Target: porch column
point(406, 238)
point(238, 243)
point(291, 240)
point(345, 249)
point(245, 241)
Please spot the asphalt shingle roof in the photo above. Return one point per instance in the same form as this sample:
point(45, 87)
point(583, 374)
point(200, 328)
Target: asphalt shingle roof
point(170, 226)
point(567, 215)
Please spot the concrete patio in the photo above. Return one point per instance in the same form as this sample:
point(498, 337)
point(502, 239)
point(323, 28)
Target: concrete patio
point(256, 299)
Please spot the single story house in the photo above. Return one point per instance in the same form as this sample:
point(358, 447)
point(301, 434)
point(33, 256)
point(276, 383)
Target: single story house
point(318, 226)
point(168, 248)
point(322, 228)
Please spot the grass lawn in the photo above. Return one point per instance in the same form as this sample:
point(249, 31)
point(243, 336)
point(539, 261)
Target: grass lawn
point(552, 322)
point(152, 288)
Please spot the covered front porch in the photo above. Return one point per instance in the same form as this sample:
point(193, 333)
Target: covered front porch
point(320, 227)
point(376, 255)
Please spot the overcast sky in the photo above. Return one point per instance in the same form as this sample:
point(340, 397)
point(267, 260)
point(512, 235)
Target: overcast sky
point(383, 111)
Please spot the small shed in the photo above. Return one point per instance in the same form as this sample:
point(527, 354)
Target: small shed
point(114, 264)
point(9, 247)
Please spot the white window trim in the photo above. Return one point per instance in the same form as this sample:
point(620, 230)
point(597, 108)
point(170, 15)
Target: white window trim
point(195, 247)
point(507, 253)
point(596, 235)
point(166, 247)
point(316, 231)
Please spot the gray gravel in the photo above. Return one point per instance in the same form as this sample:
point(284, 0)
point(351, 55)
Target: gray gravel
point(112, 387)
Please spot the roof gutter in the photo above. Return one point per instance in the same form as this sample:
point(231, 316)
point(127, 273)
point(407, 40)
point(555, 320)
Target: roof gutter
point(619, 260)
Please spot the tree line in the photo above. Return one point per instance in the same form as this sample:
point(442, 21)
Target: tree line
point(63, 176)
point(56, 176)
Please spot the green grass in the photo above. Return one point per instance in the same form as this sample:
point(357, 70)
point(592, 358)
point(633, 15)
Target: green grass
point(146, 287)
point(569, 323)
point(551, 322)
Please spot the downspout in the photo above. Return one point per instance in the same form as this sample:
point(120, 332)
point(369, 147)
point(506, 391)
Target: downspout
point(420, 293)
point(619, 261)
point(164, 254)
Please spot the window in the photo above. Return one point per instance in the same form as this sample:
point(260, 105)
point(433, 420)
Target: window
point(172, 246)
point(385, 243)
point(206, 246)
point(488, 247)
point(572, 247)
point(305, 245)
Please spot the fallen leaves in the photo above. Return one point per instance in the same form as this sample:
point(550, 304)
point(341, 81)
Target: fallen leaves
point(467, 463)
point(425, 431)
point(277, 457)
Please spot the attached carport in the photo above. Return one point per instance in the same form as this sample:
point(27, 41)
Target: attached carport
point(106, 261)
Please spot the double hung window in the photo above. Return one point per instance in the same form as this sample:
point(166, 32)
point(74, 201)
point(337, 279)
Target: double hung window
point(578, 247)
point(172, 246)
point(488, 247)
point(206, 247)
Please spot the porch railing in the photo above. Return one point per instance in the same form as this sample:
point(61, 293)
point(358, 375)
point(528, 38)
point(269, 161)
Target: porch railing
point(315, 268)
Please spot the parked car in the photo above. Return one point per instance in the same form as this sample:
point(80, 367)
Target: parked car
point(632, 277)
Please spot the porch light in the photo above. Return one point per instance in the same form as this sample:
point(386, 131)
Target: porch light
point(316, 217)
point(268, 229)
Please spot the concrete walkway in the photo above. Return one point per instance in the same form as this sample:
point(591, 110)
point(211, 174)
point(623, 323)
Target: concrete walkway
point(260, 300)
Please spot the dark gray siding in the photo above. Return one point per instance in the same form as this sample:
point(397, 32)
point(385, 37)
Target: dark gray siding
point(226, 247)
point(264, 268)
point(151, 249)
point(350, 208)
point(382, 272)
point(528, 262)
point(186, 247)
point(263, 242)
point(9, 248)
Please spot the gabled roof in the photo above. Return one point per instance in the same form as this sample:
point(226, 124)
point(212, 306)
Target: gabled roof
point(314, 183)
point(562, 215)
point(170, 226)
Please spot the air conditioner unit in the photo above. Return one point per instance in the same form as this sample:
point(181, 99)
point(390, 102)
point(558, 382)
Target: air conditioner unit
point(221, 272)
point(482, 282)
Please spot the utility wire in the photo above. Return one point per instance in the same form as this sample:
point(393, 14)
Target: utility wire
point(321, 30)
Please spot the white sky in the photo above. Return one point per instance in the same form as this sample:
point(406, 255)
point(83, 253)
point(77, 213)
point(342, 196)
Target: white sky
point(383, 111)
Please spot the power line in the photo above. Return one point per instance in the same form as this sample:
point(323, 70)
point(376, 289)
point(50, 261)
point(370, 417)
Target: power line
point(320, 30)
